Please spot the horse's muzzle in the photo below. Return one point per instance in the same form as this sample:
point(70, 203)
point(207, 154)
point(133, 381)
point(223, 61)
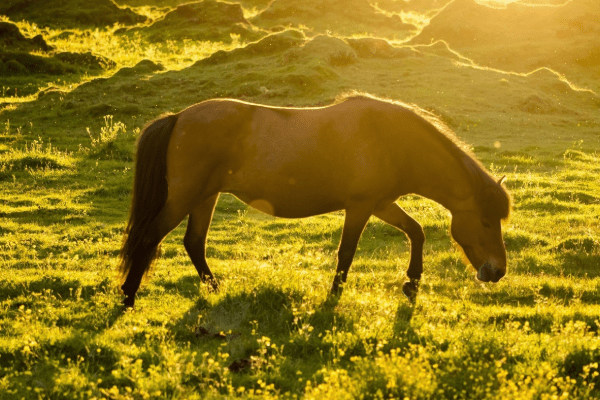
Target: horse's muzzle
point(489, 273)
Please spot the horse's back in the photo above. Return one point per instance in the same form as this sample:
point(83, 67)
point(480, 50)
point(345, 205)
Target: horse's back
point(302, 161)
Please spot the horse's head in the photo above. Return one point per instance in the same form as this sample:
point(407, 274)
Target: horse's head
point(478, 230)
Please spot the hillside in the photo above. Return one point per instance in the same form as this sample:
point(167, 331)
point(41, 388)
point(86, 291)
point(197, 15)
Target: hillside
point(521, 37)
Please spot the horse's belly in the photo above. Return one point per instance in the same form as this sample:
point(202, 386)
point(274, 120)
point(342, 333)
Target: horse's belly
point(286, 198)
point(289, 204)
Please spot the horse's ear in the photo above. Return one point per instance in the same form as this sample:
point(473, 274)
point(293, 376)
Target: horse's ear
point(502, 180)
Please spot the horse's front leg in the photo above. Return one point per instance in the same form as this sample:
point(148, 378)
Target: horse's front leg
point(355, 221)
point(394, 215)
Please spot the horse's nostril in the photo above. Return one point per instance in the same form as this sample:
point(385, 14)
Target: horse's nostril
point(489, 273)
point(485, 273)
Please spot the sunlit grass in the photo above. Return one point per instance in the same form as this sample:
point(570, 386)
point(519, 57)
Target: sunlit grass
point(534, 332)
point(125, 50)
point(66, 164)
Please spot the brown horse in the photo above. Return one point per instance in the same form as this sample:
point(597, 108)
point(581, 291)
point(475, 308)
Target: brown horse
point(359, 155)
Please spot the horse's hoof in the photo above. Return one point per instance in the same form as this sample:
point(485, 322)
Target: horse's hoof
point(129, 301)
point(336, 291)
point(210, 285)
point(410, 290)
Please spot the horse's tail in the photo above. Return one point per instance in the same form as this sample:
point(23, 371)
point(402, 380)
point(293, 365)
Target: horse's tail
point(149, 194)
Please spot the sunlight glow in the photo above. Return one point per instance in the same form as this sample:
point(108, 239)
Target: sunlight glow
point(467, 62)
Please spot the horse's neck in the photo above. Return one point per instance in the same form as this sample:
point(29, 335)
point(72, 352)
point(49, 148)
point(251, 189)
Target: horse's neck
point(445, 179)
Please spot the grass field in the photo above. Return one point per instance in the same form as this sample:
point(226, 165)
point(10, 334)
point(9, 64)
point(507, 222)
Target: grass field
point(518, 84)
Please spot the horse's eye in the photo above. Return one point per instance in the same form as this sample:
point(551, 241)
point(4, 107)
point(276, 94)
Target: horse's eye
point(485, 224)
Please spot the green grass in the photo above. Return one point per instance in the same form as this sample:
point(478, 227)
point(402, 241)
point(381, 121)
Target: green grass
point(65, 180)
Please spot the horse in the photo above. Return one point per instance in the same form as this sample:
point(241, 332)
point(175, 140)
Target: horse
point(360, 155)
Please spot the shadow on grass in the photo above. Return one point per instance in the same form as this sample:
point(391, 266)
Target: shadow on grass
point(558, 294)
point(78, 346)
point(580, 264)
point(59, 287)
point(404, 333)
point(47, 216)
point(543, 322)
point(300, 328)
point(280, 314)
point(65, 294)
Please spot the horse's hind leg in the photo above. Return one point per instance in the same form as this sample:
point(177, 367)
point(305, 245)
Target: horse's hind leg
point(354, 224)
point(397, 217)
point(167, 219)
point(195, 238)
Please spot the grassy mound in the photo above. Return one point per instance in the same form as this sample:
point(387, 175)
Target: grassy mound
point(25, 70)
point(16, 63)
point(70, 14)
point(332, 50)
point(269, 45)
point(536, 104)
point(207, 20)
point(334, 17)
point(143, 67)
point(19, 63)
point(27, 73)
point(12, 38)
point(377, 48)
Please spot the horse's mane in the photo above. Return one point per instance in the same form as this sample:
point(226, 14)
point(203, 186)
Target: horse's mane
point(493, 198)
